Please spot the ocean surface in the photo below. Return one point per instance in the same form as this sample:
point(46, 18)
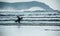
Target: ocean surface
point(30, 17)
point(32, 24)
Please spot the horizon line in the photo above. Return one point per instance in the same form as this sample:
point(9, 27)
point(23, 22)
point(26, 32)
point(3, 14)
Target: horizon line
point(19, 1)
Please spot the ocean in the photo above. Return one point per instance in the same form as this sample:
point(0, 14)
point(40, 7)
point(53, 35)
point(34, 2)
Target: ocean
point(32, 24)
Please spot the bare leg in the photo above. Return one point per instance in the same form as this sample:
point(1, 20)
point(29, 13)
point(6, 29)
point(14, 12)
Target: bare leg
point(18, 24)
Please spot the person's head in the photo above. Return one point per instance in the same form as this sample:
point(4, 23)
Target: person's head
point(17, 16)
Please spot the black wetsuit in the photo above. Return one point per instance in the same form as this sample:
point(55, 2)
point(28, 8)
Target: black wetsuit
point(19, 19)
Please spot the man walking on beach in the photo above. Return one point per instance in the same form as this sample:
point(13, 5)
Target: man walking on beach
point(19, 19)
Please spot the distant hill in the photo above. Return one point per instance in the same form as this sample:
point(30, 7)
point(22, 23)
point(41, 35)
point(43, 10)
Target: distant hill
point(24, 5)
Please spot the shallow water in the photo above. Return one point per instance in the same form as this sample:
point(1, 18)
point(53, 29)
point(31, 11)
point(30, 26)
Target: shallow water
point(29, 30)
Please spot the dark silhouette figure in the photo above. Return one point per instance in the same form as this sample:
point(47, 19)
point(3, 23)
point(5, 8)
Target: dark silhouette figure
point(19, 19)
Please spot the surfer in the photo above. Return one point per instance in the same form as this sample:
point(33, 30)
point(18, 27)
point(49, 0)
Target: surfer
point(19, 19)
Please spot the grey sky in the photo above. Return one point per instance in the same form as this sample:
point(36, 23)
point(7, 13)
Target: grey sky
point(55, 4)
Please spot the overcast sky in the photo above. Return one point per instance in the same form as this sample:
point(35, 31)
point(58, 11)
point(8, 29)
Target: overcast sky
point(55, 4)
